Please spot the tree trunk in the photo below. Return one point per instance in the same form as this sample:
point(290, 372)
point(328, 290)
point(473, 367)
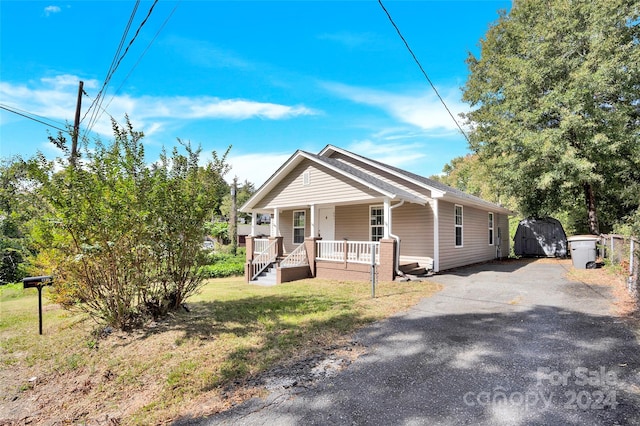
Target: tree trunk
point(590, 201)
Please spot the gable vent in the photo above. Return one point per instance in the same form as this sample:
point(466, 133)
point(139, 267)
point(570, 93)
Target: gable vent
point(305, 178)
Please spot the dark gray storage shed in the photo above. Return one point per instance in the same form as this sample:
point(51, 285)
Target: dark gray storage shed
point(540, 237)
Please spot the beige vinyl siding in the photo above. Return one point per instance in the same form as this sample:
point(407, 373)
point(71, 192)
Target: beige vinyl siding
point(286, 228)
point(384, 176)
point(475, 240)
point(352, 222)
point(325, 187)
point(413, 223)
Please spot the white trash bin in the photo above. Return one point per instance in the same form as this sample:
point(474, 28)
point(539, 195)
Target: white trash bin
point(583, 249)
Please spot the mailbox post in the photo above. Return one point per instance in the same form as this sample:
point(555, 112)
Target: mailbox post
point(38, 282)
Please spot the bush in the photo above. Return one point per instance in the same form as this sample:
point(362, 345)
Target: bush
point(223, 270)
point(124, 239)
point(222, 265)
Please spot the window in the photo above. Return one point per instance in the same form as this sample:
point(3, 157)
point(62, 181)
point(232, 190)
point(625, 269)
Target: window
point(458, 223)
point(490, 229)
point(376, 219)
point(298, 226)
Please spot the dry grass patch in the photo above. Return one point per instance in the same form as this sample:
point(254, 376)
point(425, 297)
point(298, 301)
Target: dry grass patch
point(613, 277)
point(197, 362)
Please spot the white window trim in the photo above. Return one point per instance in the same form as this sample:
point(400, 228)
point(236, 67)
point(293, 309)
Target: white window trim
point(303, 227)
point(381, 207)
point(456, 226)
point(491, 228)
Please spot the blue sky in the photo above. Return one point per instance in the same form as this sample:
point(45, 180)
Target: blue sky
point(266, 77)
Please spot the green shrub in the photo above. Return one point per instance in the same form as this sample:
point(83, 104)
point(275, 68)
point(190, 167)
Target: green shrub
point(222, 265)
point(222, 270)
point(124, 239)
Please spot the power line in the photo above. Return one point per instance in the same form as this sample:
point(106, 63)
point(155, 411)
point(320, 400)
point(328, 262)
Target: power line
point(143, 53)
point(102, 109)
point(35, 115)
point(423, 71)
point(6, 108)
point(111, 69)
point(97, 115)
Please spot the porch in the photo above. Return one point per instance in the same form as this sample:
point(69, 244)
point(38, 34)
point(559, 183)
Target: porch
point(338, 260)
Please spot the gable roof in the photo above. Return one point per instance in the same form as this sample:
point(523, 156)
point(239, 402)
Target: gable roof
point(373, 182)
point(437, 189)
point(384, 188)
point(340, 167)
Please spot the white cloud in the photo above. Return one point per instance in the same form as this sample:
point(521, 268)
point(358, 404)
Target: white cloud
point(51, 9)
point(237, 109)
point(55, 98)
point(255, 167)
point(423, 110)
point(394, 154)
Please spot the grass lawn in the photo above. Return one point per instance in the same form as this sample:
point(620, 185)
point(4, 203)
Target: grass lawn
point(192, 363)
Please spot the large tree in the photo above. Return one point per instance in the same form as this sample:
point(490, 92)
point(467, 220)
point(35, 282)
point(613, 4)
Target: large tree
point(555, 106)
point(469, 174)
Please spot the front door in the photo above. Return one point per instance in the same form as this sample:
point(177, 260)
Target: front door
point(327, 223)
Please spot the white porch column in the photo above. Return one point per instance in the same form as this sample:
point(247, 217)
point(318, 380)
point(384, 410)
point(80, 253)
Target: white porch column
point(275, 223)
point(436, 236)
point(387, 217)
point(313, 227)
point(254, 218)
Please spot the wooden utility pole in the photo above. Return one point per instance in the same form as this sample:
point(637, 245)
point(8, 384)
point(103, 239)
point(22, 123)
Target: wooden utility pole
point(76, 126)
point(234, 217)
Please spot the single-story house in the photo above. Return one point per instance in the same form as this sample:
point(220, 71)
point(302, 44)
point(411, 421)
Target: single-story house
point(336, 213)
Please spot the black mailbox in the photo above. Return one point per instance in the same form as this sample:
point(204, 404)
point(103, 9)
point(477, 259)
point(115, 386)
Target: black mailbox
point(31, 282)
point(38, 282)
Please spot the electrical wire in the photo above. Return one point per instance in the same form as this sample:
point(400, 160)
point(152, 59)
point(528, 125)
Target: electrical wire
point(34, 114)
point(422, 70)
point(143, 53)
point(144, 21)
point(114, 61)
point(102, 109)
point(26, 115)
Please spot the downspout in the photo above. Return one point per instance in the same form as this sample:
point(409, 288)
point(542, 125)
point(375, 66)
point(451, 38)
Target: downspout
point(392, 235)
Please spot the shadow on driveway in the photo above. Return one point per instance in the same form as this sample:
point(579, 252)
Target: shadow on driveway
point(522, 348)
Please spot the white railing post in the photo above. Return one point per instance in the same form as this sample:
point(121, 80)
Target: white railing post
point(260, 245)
point(264, 259)
point(348, 251)
point(297, 257)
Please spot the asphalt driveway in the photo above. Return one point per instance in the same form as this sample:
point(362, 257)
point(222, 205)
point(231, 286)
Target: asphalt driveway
point(503, 343)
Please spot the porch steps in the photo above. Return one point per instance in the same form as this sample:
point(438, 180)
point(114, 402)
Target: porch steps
point(413, 268)
point(267, 277)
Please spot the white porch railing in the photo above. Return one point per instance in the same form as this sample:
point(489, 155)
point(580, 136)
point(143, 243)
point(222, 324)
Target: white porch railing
point(260, 245)
point(350, 251)
point(298, 257)
point(264, 259)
